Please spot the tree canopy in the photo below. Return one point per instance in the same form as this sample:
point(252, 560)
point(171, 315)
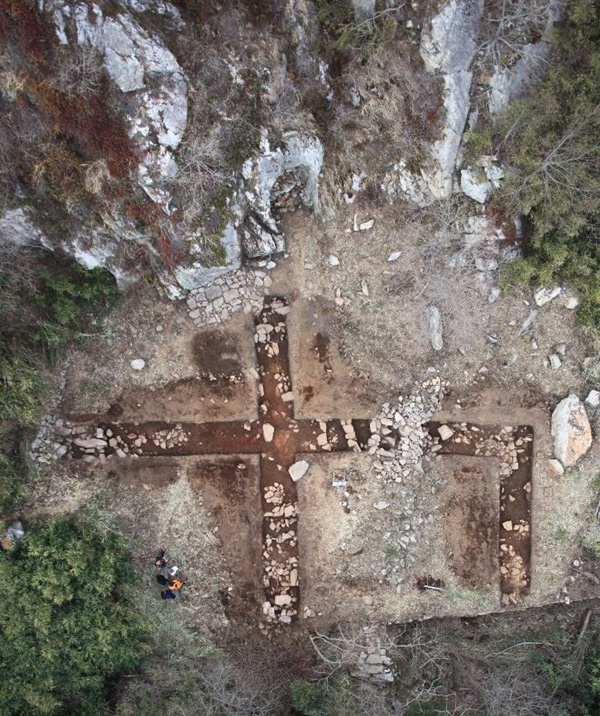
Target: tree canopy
point(67, 625)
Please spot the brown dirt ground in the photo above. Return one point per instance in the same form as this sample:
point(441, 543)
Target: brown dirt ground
point(345, 362)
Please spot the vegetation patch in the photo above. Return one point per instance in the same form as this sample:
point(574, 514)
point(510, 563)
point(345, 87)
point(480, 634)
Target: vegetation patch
point(68, 626)
point(45, 304)
point(549, 141)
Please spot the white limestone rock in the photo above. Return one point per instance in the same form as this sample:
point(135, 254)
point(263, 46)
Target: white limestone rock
point(457, 87)
point(18, 227)
point(363, 9)
point(138, 364)
point(448, 40)
point(302, 156)
point(544, 295)
point(571, 431)
point(593, 399)
point(298, 470)
point(435, 328)
point(445, 432)
point(556, 467)
point(474, 185)
point(448, 43)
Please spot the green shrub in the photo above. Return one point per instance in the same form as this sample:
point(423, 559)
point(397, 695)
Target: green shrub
point(11, 487)
point(67, 626)
point(21, 390)
point(550, 142)
point(309, 699)
point(45, 304)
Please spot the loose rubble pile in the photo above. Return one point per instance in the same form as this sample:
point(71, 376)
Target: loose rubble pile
point(399, 436)
point(242, 290)
point(375, 663)
point(280, 563)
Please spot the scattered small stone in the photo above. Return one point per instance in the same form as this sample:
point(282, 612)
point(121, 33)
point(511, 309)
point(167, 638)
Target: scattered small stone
point(138, 364)
point(334, 261)
point(445, 432)
point(593, 399)
point(544, 295)
point(366, 225)
point(268, 432)
point(555, 361)
point(394, 256)
point(494, 295)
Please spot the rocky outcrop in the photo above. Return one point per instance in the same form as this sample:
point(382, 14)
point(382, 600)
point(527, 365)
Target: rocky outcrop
point(142, 67)
point(299, 162)
point(153, 97)
point(448, 44)
point(571, 431)
point(510, 83)
point(17, 227)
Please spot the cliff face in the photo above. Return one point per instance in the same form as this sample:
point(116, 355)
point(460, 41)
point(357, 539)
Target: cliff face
point(149, 137)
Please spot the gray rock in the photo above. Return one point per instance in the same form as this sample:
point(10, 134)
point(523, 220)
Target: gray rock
point(17, 227)
point(381, 505)
point(138, 364)
point(298, 470)
point(571, 431)
point(509, 83)
point(486, 264)
point(593, 399)
point(445, 432)
point(302, 157)
point(363, 9)
point(448, 43)
point(555, 361)
point(448, 40)
point(544, 295)
point(435, 328)
point(494, 294)
point(556, 467)
point(475, 185)
point(444, 151)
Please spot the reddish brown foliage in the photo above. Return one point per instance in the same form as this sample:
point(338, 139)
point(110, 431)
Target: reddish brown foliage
point(95, 128)
point(22, 20)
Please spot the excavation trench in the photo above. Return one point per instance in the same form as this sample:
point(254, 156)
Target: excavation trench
point(514, 447)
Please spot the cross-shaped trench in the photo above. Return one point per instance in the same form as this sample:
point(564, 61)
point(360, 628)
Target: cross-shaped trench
point(276, 436)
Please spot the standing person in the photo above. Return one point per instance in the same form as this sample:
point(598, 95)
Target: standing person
point(161, 560)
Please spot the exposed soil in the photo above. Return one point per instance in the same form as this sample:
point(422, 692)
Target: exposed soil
point(471, 520)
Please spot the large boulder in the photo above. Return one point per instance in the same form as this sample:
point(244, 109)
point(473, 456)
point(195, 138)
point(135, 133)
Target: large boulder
point(571, 430)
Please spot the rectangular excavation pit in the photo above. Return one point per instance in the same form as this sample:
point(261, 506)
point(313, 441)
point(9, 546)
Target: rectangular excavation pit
point(513, 445)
